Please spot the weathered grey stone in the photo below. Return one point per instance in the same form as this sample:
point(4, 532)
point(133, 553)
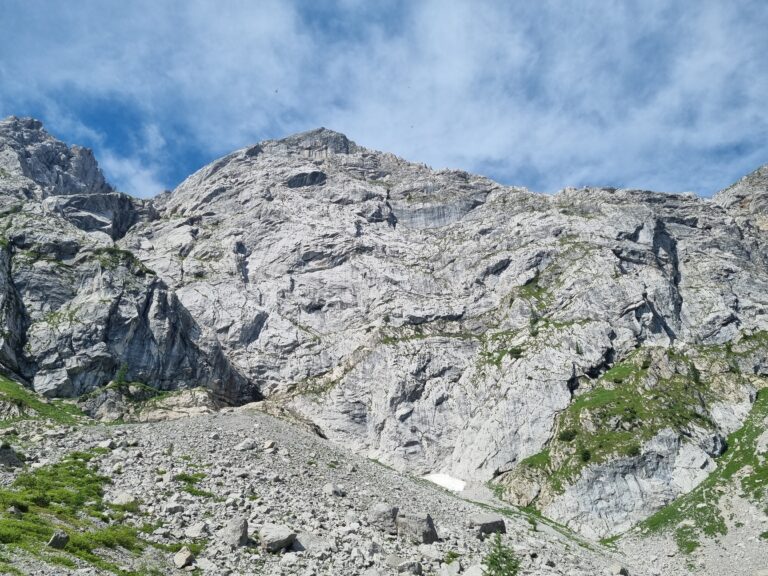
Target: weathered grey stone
point(247, 444)
point(313, 544)
point(59, 540)
point(409, 567)
point(9, 458)
point(618, 570)
point(197, 530)
point(384, 517)
point(183, 558)
point(332, 489)
point(486, 524)
point(450, 569)
point(416, 527)
point(173, 508)
point(123, 498)
point(234, 533)
point(276, 537)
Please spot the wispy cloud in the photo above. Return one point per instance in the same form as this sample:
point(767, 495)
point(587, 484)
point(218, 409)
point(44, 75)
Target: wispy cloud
point(656, 94)
point(132, 174)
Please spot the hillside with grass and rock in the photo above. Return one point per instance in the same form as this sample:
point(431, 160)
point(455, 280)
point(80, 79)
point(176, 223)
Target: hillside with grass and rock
point(254, 372)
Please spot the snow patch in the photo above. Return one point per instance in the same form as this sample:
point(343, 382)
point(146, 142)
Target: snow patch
point(448, 482)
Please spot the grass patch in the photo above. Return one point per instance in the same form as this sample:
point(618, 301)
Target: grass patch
point(631, 403)
point(697, 513)
point(33, 406)
point(534, 291)
point(540, 460)
point(618, 415)
point(189, 484)
point(65, 496)
point(112, 257)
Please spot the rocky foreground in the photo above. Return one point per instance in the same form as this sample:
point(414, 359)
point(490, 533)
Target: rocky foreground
point(242, 492)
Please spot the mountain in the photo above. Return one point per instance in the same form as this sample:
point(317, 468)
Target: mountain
point(587, 352)
point(75, 306)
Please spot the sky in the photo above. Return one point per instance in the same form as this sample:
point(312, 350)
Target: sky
point(654, 94)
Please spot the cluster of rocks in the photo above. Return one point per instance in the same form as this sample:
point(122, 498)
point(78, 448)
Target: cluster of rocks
point(244, 493)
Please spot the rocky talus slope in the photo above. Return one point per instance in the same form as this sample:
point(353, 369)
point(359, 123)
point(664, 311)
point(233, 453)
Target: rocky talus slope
point(249, 494)
point(596, 355)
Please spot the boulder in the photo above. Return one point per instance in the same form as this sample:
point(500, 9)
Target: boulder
point(123, 498)
point(197, 530)
point(416, 527)
point(183, 558)
point(59, 540)
point(487, 523)
point(618, 570)
point(234, 533)
point(276, 537)
point(331, 489)
point(247, 444)
point(384, 517)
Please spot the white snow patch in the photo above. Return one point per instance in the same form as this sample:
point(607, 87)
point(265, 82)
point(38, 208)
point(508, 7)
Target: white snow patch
point(446, 481)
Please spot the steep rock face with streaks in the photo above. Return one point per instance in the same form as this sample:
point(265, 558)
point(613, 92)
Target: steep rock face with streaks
point(75, 307)
point(587, 351)
point(440, 322)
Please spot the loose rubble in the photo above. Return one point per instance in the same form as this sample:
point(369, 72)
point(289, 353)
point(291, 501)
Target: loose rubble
point(250, 512)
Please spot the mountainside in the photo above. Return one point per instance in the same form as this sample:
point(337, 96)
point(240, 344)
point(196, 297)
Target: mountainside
point(75, 307)
point(589, 352)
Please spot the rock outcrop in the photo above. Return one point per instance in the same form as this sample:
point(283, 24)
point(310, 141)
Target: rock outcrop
point(75, 307)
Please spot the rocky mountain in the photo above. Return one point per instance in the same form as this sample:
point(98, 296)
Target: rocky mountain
point(588, 352)
point(76, 307)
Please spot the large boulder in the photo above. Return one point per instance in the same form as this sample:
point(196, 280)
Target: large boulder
point(416, 527)
point(276, 537)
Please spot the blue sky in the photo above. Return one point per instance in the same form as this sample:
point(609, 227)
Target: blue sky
point(670, 96)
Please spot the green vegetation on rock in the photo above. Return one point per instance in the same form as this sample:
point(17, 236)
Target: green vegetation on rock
point(634, 400)
point(113, 257)
point(29, 405)
point(66, 496)
point(740, 468)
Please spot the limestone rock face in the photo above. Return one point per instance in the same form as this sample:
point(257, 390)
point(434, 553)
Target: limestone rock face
point(434, 320)
point(440, 322)
point(748, 198)
point(75, 308)
point(51, 167)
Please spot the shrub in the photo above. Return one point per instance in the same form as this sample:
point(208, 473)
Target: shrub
point(120, 377)
point(585, 455)
point(533, 327)
point(567, 435)
point(501, 560)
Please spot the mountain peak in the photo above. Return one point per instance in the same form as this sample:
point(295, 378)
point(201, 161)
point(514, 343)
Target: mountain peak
point(24, 130)
point(319, 140)
point(57, 168)
point(748, 196)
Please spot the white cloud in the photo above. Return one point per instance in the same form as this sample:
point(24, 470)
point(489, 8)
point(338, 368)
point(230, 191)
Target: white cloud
point(131, 175)
point(656, 94)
